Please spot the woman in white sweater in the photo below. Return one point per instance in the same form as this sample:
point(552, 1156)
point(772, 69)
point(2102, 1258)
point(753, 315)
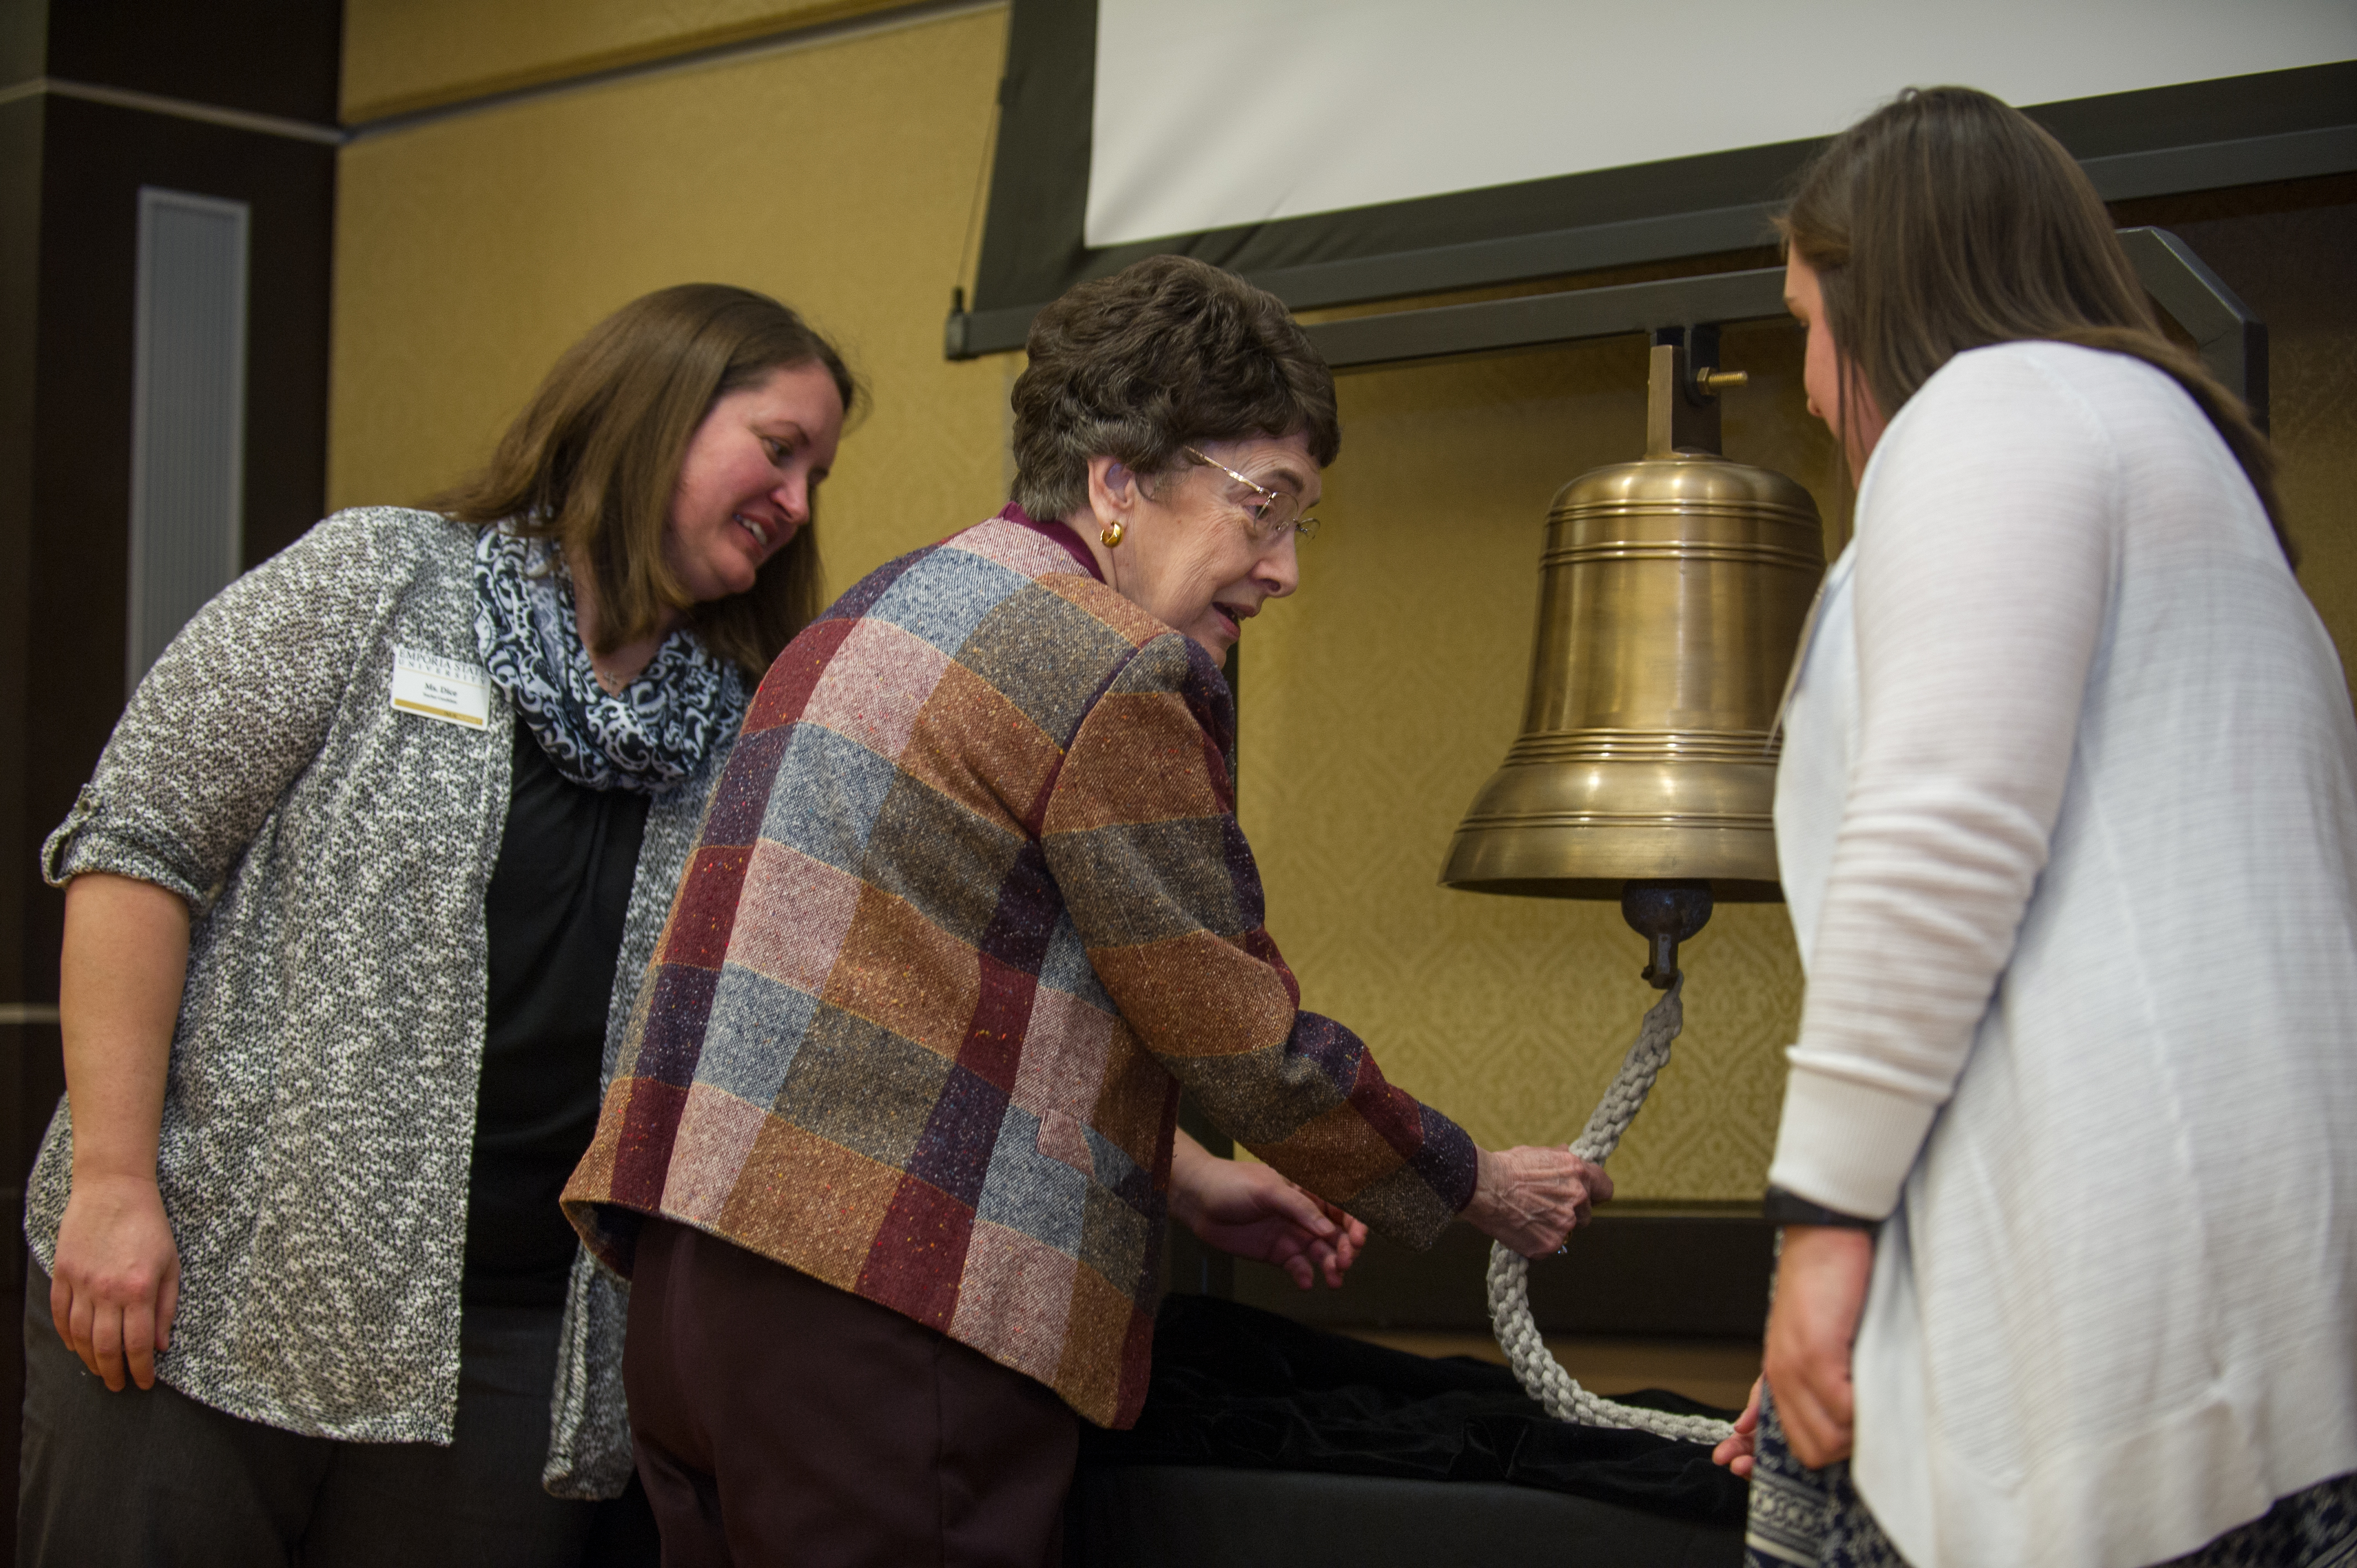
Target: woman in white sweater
point(2068, 822)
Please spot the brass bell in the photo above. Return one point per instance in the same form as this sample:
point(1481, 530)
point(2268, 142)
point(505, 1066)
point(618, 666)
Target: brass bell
point(1672, 592)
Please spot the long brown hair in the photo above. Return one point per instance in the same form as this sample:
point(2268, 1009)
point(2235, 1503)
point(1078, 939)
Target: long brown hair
point(593, 462)
point(1947, 221)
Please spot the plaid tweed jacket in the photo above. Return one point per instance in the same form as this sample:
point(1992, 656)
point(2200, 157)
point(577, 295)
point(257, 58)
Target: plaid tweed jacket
point(970, 906)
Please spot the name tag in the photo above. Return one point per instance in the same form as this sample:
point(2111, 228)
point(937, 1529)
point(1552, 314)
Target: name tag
point(440, 688)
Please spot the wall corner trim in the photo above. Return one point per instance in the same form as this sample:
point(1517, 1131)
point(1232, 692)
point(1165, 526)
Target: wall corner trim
point(888, 18)
point(177, 108)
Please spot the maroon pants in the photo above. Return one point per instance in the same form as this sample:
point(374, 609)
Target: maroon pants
point(779, 1420)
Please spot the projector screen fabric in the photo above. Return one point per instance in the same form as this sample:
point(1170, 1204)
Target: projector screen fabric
point(1215, 113)
point(2158, 140)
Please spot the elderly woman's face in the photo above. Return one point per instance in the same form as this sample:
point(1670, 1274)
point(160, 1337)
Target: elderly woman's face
point(1191, 553)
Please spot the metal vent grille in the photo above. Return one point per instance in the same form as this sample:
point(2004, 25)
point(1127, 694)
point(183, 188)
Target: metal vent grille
point(188, 415)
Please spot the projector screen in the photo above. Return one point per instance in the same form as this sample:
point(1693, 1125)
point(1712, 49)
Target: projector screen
point(1339, 151)
point(1213, 113)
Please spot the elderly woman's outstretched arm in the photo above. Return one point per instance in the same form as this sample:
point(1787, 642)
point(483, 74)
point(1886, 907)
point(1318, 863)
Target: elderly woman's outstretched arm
point(1141, 835)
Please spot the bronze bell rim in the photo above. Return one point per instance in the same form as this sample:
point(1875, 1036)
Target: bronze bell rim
point(1524, 851)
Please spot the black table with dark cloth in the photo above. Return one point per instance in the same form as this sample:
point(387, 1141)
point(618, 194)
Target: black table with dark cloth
point(1264, 1440)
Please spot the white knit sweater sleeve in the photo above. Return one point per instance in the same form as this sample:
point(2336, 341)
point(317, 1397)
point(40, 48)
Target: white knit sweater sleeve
point(1987, 534)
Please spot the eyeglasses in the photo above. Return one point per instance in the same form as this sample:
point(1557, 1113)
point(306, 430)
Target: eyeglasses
point(1274, 514)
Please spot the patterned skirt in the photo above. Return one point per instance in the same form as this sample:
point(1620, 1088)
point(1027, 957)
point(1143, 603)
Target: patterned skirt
point(1801, 1516)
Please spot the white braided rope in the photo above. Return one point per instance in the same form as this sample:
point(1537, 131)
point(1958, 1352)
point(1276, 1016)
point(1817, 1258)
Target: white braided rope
point(1541, 1375)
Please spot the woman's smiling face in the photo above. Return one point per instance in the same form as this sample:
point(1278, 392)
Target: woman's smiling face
point(1190, 554)
point(747, 476)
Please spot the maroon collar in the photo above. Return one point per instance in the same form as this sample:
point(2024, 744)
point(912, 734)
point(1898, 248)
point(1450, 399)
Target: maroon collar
point(1061, 532)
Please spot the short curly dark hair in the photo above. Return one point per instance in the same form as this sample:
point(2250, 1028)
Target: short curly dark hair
point(1167, 353)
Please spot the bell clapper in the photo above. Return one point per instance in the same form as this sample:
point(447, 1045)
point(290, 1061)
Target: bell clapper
point(1665, 913)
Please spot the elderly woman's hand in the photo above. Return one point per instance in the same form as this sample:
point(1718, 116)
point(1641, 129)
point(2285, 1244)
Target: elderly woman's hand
point(1531, 1198)
point(1252, 1211)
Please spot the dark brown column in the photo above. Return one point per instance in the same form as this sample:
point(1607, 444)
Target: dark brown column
point(229, 100)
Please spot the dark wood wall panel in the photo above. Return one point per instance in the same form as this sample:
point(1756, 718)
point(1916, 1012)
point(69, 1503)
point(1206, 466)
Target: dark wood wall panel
point(70, 171)
point(265, 57)
point(1636, 1275)
point(96, 159)
point(20, 239)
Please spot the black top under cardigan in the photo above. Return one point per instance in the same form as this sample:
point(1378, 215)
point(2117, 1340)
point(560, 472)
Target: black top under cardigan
point(553, 927)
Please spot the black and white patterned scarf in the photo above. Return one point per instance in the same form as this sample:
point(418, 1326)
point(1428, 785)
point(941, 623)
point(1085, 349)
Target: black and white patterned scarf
point(649, 738)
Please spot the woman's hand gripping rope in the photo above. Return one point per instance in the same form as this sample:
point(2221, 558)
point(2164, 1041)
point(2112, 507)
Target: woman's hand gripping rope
point(1529, 1200)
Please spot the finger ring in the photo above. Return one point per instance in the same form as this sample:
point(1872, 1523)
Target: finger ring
point(1559, 1252)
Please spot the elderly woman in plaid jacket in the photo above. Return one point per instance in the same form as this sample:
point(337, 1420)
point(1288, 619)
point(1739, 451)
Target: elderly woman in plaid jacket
point(893, 1142)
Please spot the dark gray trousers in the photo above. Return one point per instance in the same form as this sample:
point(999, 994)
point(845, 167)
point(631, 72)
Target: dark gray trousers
point(780, 1420)
point(152, 1477)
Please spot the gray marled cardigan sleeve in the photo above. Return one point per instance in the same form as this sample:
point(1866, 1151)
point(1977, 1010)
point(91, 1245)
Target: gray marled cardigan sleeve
point(239, 704)
point(319, 1107)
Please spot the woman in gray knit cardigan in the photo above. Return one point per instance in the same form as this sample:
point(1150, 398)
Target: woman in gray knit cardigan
point(350, 899)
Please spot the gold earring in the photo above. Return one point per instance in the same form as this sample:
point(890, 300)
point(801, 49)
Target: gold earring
point(1110, 534)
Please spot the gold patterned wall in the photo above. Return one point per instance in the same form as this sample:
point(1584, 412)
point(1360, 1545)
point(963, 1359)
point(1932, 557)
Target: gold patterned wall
point(470, 252)
point(2288, 250)
point(839, 176)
